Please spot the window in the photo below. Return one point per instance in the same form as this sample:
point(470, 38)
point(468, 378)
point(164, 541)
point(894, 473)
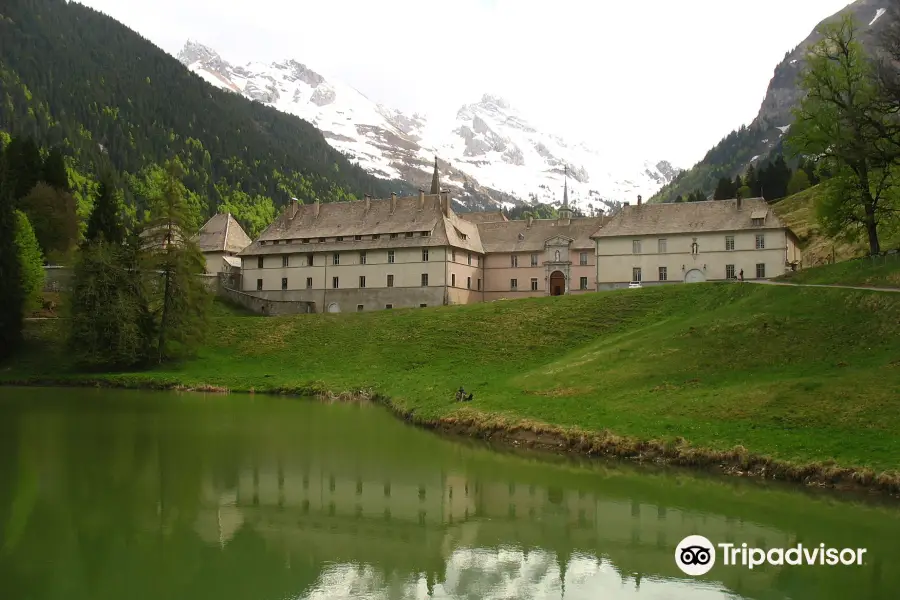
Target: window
point(304, 241)
point(760, 270)
point(424, 279)
point(470, 258)
point(636, 274)
point(636, 246)
point(423, 306)
point(534, 284)
point(453, 280)
point(388, 306)
point(376, 236)
point(758, 222)
point(362, 281)
point(426, 234)
point(390, 281)
point(514, 261)
point(663, 246)
point(582, 282)
point(582, 260)
point(425, 255)
point(259, 262)
point(453, 255)
point(534, 260)
point(357, 238)
point(513, 284)
point(468, 283)
point(284, 283)
point(362, 258)
point(323, 240)
point(390, 257)
point(477, 261)
point(760, 241)
point(336, 259)
point(259, 285)
point(309, 283)
point(284, 260)
point(276, 242)
point(334, 282)
point(339, 238)
point(309, 260)
point(664, 273)
point(359, 308)
point(479, 285)
point(393, 236)
point(729, 272)
point(729, 242)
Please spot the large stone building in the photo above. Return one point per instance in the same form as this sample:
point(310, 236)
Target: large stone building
point(220, 240)
point(692, 242)
point(415, 251)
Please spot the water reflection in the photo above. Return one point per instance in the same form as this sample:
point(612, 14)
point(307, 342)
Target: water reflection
point(108, 494)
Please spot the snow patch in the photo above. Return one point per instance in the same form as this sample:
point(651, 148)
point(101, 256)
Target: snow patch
point(784, 129)
point(878, 15)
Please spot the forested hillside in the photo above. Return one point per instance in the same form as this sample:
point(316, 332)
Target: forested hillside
point(73, 78)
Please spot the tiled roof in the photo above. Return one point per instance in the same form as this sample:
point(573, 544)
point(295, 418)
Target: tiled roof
point(366, 218)
point(519, 236)
point(222, 233)
point(483, 217)
point(690, 217)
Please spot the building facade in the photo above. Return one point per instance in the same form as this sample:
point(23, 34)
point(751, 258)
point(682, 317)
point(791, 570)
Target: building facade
point(693, 242)
point(408, 252)
point(220, 240)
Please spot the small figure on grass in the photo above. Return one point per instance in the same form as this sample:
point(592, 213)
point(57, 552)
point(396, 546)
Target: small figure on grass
point(461, 395)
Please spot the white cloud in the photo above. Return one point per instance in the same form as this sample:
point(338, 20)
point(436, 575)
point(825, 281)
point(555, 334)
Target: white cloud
point(656, 79)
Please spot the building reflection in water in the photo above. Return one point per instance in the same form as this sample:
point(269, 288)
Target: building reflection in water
point(444, 534)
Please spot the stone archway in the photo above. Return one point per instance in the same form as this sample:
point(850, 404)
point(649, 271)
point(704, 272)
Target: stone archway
point(557, 283)
point(694, 276)
point(334, 308)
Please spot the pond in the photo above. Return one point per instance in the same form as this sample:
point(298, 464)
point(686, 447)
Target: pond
point(122, 494)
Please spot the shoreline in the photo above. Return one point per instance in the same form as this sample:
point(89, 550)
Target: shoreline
point(523, 434)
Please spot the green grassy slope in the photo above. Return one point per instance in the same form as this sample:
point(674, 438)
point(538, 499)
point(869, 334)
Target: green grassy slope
point(879, 271)
point(798, 374)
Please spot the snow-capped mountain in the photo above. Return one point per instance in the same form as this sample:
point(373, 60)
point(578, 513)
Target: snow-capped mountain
point(488, 152)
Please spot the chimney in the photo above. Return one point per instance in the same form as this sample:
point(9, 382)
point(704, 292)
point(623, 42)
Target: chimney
point(739, 203)
point(295, 207)
point(368, 202)
point(445, 202)
point(317, 208)
point(639, 200)
point(421, 199)
point(530, 221)
point(393, 202)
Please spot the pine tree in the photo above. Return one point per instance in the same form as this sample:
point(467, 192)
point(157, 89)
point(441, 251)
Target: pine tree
point(32, 262)
point(799, 182)
point(736, 185)
point(24, 166)
point(12, 298)
point(181, 300)
point(53, 215)
point(105, 222)
point(723, 189)
point(54, 173)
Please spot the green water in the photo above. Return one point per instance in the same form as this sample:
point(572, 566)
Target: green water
point(132, 495)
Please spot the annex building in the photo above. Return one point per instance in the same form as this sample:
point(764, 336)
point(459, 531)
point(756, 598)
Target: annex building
point(415, 251)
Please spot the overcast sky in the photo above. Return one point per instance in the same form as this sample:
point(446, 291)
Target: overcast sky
point(657, 79)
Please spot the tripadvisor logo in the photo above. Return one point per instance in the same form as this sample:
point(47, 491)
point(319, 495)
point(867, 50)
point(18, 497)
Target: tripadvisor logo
point(696, 555)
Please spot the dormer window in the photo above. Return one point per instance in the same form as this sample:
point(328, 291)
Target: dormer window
point(393, 236)
point(323, 240)
point(409, 234)
point(376, 236)
point(339, 238)
point(357, 237)
point(276, 242)
point(304, 241)
point(262, 242)
point(758, 222)
point(426, 233)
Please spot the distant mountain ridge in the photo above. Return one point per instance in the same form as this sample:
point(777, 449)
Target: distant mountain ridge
point(490, 155)
point(764, 136)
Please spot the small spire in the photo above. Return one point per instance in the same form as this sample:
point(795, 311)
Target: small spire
point(436, 179)
point(566, 188)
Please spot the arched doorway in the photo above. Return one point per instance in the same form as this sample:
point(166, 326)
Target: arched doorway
point(557, 283)
point(334, 308)
point(694, 276)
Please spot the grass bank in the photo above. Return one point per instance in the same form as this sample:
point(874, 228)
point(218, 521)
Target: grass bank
point(878, 271)
point(792, 383)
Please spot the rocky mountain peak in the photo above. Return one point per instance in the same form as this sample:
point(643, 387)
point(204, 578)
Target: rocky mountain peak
point(196, 52)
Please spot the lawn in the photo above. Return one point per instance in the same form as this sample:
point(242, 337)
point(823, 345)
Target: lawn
point(802, 375)
point(878, 271)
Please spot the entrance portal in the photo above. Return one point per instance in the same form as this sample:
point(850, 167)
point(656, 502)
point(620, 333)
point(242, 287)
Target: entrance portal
point(694, 276)
point(334, 308)
point(557, 283)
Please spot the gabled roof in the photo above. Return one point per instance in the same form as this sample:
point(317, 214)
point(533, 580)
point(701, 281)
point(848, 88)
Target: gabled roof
point(690, 217)
point(222, 233)
point(519, 236)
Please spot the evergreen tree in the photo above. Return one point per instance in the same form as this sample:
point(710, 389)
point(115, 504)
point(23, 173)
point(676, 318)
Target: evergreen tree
point(751, 181)
point(54, 173)
point(53, 215)
point(180, 300)
point(679, 198)
point(799, 182)
point(723, 189)
point(24, 166)
point(105, 223)
point(31, 261)
point(12, 298)
point(736, 185)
